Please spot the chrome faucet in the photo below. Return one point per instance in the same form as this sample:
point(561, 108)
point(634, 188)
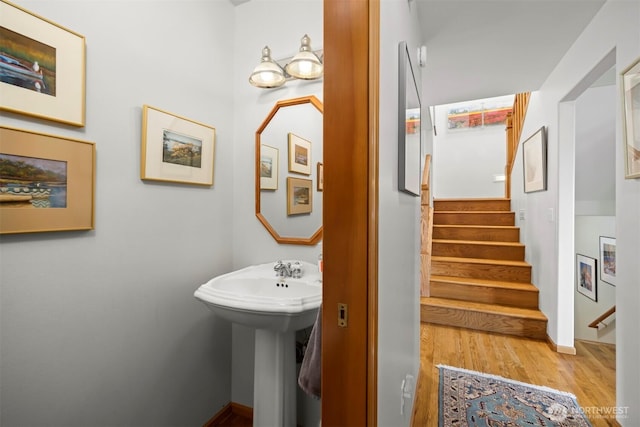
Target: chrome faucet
point(282, 269)
point(288, 270)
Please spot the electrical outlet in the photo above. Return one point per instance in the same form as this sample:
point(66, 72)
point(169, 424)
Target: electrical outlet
point(521, 215)
point(551, 215)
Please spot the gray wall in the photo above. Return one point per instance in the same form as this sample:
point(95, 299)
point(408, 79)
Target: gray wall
point(101, 327)
point(548, 230)
point(466, 161)
point(399, 228)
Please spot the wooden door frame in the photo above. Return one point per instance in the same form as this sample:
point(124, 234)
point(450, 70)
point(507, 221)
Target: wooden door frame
point(350, 212)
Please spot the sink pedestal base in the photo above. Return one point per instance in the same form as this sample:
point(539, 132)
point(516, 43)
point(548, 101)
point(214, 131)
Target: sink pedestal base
point(274, 379)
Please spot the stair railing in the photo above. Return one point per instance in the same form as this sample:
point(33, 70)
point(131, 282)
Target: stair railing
point(600, 320)
point(515, 121)
point(426, 227)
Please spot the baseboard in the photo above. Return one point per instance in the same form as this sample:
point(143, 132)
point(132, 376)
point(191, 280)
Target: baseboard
point(230, 408)
point(560, 348)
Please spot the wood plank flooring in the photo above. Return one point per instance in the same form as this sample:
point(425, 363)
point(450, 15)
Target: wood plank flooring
point(589, 375)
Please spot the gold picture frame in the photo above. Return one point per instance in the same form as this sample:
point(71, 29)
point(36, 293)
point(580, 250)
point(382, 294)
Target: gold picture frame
point(46, 182)
point(299, 155)
point(44, 67)
point(176, 149)
point(299, 196)
point(269, 167)
point(631, 119)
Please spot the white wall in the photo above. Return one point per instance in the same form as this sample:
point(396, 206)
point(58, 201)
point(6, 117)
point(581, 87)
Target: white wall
point(595, 116)
point(465, 162)
point(101, 327)
point(399, 229)
point(617, 25)
point(280, 25)
point(588, 232)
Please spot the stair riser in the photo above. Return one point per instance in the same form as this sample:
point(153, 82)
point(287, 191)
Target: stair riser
point(507, 273)
point(468, 250)
point(474, 205)
point(477, 233)
point(483, 294)
point(474, 218)
point(530, 328)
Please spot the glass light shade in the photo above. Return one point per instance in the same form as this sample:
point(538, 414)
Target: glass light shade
point(268, 74)
point(305, 64)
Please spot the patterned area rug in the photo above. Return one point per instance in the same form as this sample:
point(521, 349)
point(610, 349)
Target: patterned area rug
point(469, 398)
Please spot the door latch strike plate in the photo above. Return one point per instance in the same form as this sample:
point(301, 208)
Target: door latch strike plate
point(342, 315)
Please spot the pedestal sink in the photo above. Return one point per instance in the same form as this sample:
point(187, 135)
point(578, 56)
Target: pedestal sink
point(276, 308)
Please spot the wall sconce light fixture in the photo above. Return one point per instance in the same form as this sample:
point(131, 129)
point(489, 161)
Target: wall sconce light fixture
point(305, 65)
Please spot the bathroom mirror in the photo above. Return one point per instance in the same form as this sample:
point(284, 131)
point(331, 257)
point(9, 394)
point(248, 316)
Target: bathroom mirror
point(409, 135)
point(287, 168)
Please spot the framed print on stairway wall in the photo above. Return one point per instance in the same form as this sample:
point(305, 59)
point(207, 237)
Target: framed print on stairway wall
point(43, 67)
point(587, 276)
point(534, 156)
point(608, 260)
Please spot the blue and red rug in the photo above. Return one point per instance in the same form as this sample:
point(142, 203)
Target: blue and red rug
point(469, 398)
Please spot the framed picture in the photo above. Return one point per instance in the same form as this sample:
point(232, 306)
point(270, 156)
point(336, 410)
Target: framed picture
point(299, 196)
point(43, 67)
point(320, 177)
point(631, 119)
point(176, 149)
point(46, 182)
point(299, 155)
point(409, 134)
point(608, 260)
point(587, 278)
point(268, 167)
point(534, 155)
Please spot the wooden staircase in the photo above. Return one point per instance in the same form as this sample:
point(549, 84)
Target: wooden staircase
point(478, 276)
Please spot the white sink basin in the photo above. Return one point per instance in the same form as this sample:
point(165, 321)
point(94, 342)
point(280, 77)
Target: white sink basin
point(255, 297)
point(276, 307)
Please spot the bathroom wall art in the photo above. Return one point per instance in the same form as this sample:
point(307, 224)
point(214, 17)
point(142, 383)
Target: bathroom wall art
point(46, 182)
point(43, 67)
point(176, 149)
point(299, 155)
point(269, 167)
point(299, 196)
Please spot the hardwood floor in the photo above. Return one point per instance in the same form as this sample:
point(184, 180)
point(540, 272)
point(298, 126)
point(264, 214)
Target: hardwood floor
point(589, 375)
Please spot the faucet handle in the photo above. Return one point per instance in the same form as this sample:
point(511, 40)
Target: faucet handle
point(296, 270)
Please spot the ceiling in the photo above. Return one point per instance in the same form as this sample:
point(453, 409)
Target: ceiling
point(486, 48)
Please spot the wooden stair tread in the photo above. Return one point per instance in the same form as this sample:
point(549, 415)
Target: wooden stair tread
point(478, 242)
point(501, 310)
point(480, 261)
point(485, 282)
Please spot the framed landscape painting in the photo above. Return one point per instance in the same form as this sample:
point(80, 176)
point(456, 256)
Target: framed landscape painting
point(269, 168)
point(586, 276)
point(43, 67)
point(299, 155)
point(46, 182)
point(299, 196)
point(176, 149)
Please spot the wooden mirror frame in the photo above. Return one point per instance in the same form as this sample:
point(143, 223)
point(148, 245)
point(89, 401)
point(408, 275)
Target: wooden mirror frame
point(315, 237)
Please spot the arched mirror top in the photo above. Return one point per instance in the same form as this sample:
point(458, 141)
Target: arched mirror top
point(288, 190)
